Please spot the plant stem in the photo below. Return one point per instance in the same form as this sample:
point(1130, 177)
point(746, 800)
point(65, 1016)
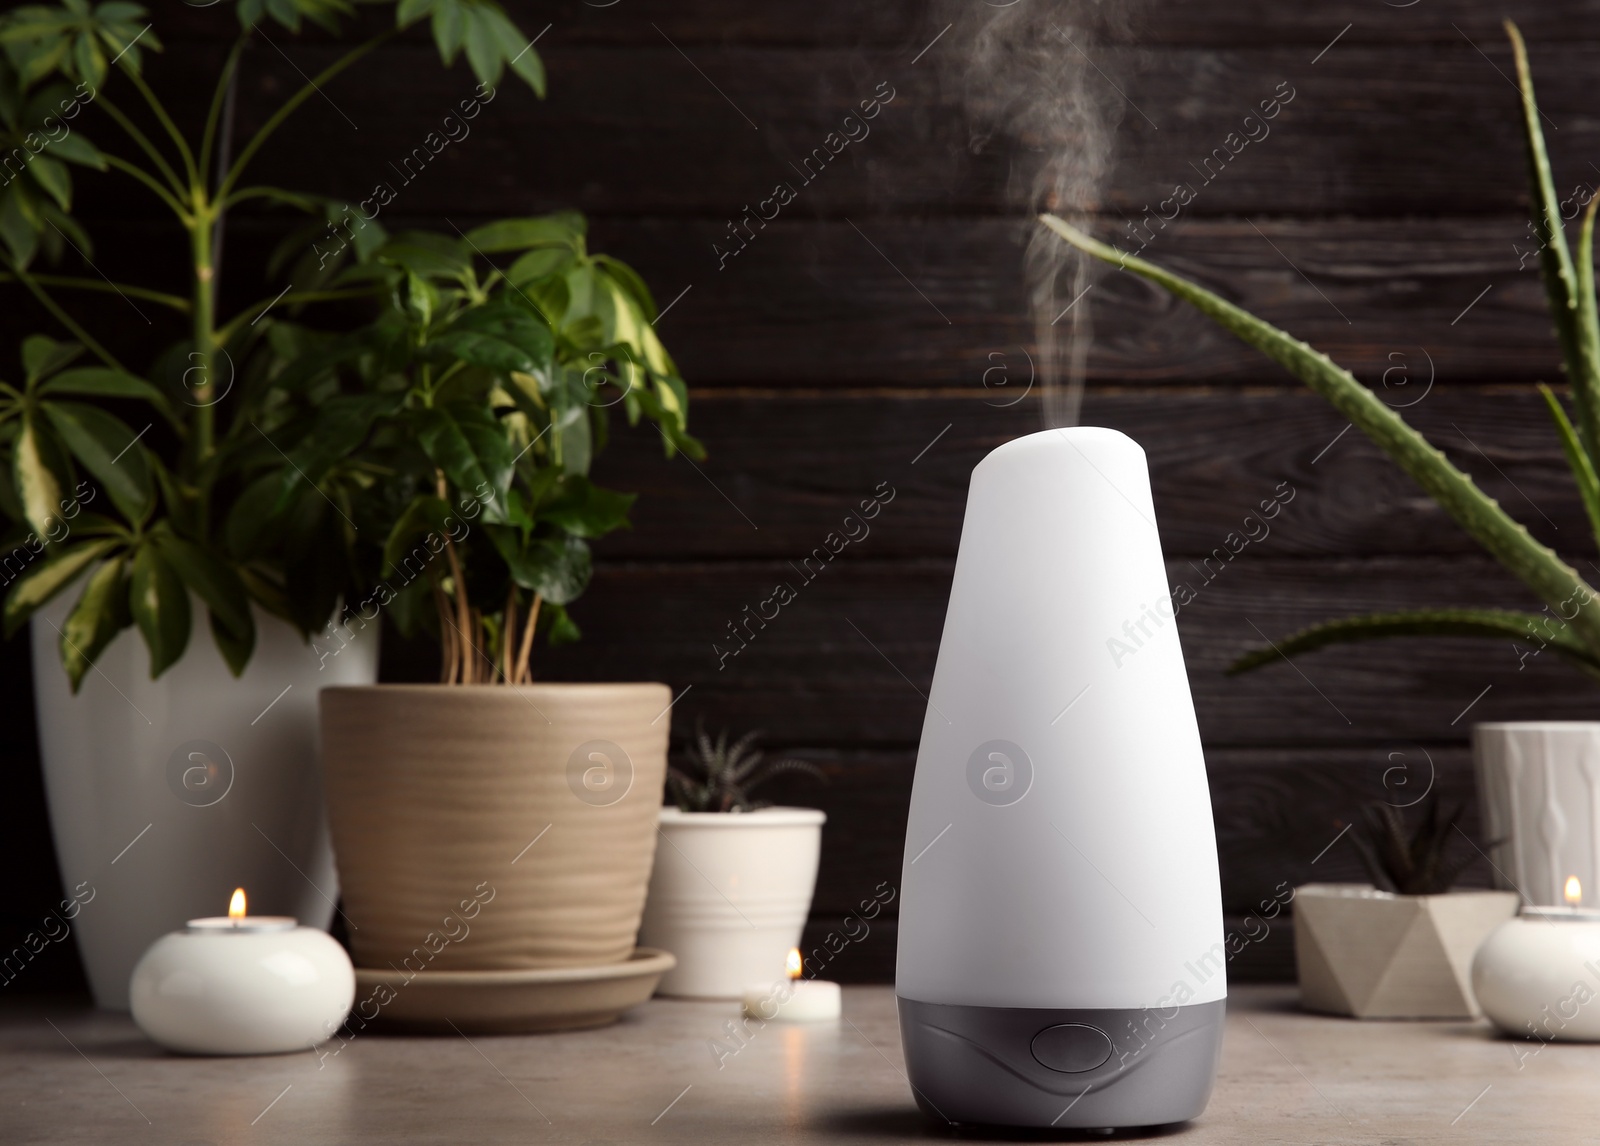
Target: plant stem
point(139, 137)
point(195, 181)
point(172, 300)
point(231, 327)
point(524, 675)
point(448, 661)
point(209, 136)
point(508, 630)
point(462, 610)
point(276, 121)
point(205, 337)
point(66, 319)
point(117, 163)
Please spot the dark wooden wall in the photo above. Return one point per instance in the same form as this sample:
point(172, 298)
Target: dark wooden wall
point(848, 345)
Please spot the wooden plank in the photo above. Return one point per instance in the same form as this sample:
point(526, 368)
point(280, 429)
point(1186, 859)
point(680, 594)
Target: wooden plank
point(792, 465)
point(812, 303)
point(1280, 820)
point(1369, 129)
point(900, 23)
point(849, 661)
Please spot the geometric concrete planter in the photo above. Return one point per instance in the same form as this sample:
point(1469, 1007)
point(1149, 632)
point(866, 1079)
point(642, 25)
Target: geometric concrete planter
point(1376, 955)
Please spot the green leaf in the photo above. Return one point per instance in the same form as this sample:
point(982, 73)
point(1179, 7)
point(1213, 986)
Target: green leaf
point(1528, 628)
point(43, 356)
point(410, 11)
point(502, 335)
point(516, 48)
point(251, 522)
point(107, 448)
point(1552, 579)
point(560, 229)
point(234, 647)
point(425, 514)
point(100, 382)
point(52, 175)
point(75, 148)
point(483, 52)
point(556, 570)
point(18, 231)
point(160, 606)
point(1582, 469)
point(448, 29)
point(1574, 318)
point(37, 485)
point(428, 255)
point(544, 263)
point(441, 438)
point(559, 627)
point(212, 579)
point(100, 614)
point(586, 510)
point(49, 577)
point(631, 283)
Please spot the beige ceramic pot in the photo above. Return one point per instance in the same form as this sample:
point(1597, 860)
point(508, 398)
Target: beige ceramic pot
point(490, 828)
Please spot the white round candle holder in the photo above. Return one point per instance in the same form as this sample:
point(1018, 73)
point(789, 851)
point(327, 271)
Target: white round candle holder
point(257, 985)
point(793, 1001)
point(1537, 976)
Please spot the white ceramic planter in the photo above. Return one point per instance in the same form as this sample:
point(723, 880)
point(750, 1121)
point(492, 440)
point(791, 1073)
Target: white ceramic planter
point(729, 895)
point(165, 795)
point(1375, 955)
point(1539, 789)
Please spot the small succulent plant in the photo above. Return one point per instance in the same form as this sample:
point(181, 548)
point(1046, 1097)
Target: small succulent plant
point(1414, 864)
point(719, 777)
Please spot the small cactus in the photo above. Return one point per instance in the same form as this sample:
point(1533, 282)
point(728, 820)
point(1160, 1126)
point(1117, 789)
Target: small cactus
point(1418, 864)
point(719, 777)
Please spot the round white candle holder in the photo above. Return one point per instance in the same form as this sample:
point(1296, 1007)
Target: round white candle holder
point(255, 985)
point(1537, 976)
point(793, 1001)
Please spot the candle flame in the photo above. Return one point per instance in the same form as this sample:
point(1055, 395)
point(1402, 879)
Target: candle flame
point(1573, 891)
point(793, 964)
point(236, 904)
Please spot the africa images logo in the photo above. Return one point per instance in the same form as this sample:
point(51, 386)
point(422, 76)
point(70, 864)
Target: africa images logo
point(999, 772)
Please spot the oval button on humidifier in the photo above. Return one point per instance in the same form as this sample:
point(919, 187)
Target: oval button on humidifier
point(1071, 1048)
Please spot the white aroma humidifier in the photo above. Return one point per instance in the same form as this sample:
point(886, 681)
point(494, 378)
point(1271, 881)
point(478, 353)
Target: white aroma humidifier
point(1060, 948)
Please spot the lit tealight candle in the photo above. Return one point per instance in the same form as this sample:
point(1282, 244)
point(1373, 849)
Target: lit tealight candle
point(242, 984)
point(1538, 975)
point(794, 1000)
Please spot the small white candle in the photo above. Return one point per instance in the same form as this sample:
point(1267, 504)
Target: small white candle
point(1538, 976)
point(793, 1000)
point(242, 984)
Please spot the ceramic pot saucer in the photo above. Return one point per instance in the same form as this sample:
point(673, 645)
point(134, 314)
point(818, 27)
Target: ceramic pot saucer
point(513, 1002)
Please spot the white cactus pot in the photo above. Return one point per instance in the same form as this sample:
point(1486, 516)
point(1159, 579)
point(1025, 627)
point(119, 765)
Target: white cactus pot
point(1539, 791)
point(729, 895)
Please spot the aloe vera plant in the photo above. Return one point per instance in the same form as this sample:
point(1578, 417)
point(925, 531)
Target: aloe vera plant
point(1571, 626)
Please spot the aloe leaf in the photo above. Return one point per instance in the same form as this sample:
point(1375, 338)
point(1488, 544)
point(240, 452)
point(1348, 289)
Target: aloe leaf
point(1582, 468)
point(1574, 317)
point(1529, 628)
point(1509, 542)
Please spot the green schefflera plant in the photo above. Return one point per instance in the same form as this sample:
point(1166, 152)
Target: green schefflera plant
point(281, 466)
point(457, 430)
point(717, 776)
point(1574, 630)
point(1417, 862)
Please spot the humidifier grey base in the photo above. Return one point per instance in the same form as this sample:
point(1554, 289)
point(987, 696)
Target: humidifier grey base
point(1016, 1066)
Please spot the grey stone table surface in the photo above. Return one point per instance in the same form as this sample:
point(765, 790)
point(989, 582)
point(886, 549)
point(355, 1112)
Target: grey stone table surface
point(69, 1074)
